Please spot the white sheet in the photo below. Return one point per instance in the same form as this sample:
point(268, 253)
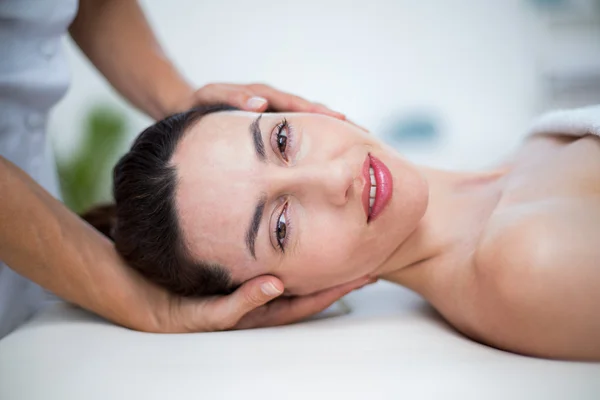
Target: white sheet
point(392, 345)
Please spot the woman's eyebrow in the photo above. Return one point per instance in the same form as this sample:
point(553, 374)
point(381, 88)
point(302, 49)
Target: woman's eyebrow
point(259, 144)
point(254, 226)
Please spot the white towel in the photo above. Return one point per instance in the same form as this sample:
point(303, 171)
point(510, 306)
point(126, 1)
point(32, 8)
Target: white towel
point(576, 122)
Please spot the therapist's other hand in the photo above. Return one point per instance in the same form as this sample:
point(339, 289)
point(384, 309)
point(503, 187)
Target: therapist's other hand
point(255, 97)
point(286, 310)
point(253, 305)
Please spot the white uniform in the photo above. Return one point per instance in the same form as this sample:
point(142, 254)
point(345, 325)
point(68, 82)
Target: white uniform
point(33, 77)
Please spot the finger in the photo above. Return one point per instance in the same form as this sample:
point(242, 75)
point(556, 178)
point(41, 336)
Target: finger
point(287, 310)
point(225, 311)
point(323, 109)
point(302, 307)
point(282, 101)
point(235, 95)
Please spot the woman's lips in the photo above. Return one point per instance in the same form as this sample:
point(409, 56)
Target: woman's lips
point(384, 190)
point(385, 187)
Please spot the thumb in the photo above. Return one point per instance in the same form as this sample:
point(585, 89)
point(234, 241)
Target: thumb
point(251, 295)
point(253, 103)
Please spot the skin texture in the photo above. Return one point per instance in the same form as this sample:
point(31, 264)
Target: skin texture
point(508, 255)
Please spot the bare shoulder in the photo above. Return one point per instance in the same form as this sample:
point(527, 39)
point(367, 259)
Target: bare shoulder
point(533, 286)
point(537, 278)
point(542, 234)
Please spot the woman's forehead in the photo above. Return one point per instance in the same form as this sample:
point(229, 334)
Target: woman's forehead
point(217, 173)
point(209, 129)
point(217, 143)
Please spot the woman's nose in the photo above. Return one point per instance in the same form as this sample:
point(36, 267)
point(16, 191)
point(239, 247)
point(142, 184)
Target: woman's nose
point(331, 181)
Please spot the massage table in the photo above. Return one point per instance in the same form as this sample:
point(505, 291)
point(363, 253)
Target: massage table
point(390, 345)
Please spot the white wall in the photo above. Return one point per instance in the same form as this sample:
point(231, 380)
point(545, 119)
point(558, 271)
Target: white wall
point(469, 63)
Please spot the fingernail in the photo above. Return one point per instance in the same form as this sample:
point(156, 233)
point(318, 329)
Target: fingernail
point(269, 289)
point(256, 102)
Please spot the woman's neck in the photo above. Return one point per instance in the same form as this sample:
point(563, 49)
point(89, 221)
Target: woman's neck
point(459, 205)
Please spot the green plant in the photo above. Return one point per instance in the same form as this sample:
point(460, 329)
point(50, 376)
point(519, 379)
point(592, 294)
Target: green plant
point(86, 175)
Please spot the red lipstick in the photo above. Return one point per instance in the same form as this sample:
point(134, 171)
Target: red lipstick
point(385, 187)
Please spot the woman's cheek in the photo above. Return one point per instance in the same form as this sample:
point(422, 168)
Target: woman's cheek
point(337, 258)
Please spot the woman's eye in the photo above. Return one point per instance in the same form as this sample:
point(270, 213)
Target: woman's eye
point(282, 137)
point(281, 229)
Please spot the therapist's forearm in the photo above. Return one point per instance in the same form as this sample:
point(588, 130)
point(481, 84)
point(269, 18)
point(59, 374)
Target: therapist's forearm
point(45, 242)
point(116, 37)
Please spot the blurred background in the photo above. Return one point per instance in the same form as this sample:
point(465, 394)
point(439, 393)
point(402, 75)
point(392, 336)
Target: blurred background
point(449, 83)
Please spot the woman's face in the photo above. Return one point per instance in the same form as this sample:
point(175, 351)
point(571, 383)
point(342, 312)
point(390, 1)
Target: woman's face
point(288, 195)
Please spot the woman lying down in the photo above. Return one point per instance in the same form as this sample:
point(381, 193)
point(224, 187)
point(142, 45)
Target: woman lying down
point(510, 256)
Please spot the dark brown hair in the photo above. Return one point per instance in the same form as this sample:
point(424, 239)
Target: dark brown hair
point(143, 221)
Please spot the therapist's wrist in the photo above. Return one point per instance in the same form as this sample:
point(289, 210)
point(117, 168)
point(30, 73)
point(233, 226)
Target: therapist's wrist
point(171, 97)
point(143, 307)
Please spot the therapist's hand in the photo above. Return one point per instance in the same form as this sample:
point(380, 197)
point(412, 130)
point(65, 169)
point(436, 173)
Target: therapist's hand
point(253, 97)
point(253, 305)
